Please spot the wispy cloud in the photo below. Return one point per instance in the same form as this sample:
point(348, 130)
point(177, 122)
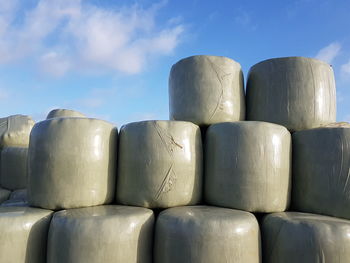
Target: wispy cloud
point(74, 35)
point(244, 19)
point(329, 53)
point(345, 68)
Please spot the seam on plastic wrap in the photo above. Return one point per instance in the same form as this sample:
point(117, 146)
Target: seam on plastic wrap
point(170, 177)
point(220, 78)
point(314, 86)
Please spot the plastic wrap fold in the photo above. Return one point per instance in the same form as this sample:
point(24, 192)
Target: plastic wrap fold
point(61, 113)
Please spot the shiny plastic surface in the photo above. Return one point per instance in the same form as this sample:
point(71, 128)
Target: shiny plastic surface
point(296, 92)
point(248, 166)
point(71, 163)
point(4, 195)
point(15, 131)
point(321, 162)
point(23, 233)
point(13, 167)
point(305, 238)
point(101, 234)
point(60, 113)
point(203, 234)
point(206, 90)
point(160, 164)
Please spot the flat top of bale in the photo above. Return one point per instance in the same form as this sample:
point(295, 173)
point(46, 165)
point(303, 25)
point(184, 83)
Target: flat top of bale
point(290, 58)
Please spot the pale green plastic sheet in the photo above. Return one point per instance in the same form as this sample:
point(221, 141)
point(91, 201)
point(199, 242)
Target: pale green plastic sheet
point(13, 167)
point(203, 234)
point(15, 131)
point(72, 163)
point(206, 90)
point(23, 233)
point(292, 237)
point(61, 113)
point(101, 234)
point(296, 92)
point(160, 164)
point(248, 166)
point(321, 161)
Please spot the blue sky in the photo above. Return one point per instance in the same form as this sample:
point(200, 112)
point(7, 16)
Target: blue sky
point(111, 59)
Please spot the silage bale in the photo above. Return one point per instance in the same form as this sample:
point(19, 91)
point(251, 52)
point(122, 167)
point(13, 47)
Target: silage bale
point(101, 234)
point(321, 163)
point(296, 92)
point(23, 232)
point(160, 164)
point(13, 167)
point(299, 237)
point(71, 163)
point(61, 113)
point(247, 166)
point(203, 234)
point(4, 194)
point(206, 90)
point(15, 131)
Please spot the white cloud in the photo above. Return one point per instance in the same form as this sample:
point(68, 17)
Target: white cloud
point(345, 68)
point(74, 35)
point(329, 52)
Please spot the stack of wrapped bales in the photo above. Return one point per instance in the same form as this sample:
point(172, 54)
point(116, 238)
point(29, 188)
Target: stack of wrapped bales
point(227, 179)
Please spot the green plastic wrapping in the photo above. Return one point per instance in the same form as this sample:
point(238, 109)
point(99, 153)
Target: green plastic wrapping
point(292, 237)
point(4, 194)
point(296, 92)
point(61, 113)
point(206, 90)
point(203, 234)
point(248, 166)
point(15, 131)
point(72, 163)
point(23, 232)
point(101, 234)
point(321, 161)
point(13, 167)
point(160, 164)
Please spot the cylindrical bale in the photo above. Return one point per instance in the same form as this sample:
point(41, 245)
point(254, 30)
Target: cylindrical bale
point(206, 90)
point(299, 237)
point(296, 92)
point(23, 232)
point(203, 234)
point(15, 131)
point(101, 234)
point(321, 161)
point(160, 164)
point(13, 167)
point(61, 113)
point(71, 163)
point(248, 166)
point(4, 195)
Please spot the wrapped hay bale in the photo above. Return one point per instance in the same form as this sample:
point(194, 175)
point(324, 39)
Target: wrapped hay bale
point(59, 113)
point(71, 163)
point(206, 90)
point(160, 164)
point(321, 161)
point(247, 166)
point(14, 167)
point(203, 234)
point(296, 92)
point(299, 237)
point(23, 233)
point(101, 234)
point(15, 131)
point(4, 195)
point(17, 198)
